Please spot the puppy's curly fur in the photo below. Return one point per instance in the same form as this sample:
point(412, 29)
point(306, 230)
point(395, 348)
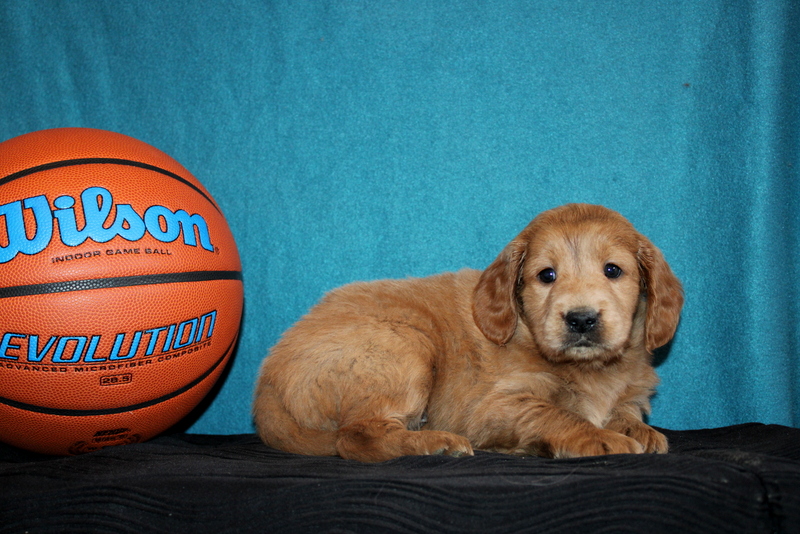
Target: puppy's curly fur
point(547, 351)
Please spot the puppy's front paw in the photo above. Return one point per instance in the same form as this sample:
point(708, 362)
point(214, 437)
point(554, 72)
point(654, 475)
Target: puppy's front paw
point(651, 439)
point(598, 442)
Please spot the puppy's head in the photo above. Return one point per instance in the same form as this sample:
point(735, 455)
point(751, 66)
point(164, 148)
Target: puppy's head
point(585, 282)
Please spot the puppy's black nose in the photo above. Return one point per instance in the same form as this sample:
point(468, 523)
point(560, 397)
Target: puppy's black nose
point(581, 321)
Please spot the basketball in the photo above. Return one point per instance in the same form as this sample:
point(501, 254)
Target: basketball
point(120, 291)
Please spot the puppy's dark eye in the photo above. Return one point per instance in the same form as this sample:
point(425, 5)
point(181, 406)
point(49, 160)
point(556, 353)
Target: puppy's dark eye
point(612, 271)
point(547, 276)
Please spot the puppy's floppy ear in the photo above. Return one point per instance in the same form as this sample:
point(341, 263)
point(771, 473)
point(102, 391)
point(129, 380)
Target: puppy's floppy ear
point(664, 296)
point(494, 306)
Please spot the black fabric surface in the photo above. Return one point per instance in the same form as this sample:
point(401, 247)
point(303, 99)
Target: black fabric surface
point(743, 478)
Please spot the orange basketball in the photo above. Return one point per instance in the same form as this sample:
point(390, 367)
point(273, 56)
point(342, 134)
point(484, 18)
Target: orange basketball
point(120, 291)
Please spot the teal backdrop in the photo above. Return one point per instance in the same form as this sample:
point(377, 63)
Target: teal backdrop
point(356, 140)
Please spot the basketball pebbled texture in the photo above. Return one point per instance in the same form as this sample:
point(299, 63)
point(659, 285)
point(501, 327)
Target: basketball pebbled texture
point(120, 291)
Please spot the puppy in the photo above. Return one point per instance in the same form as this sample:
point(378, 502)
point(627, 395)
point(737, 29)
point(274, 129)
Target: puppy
point(546, 352)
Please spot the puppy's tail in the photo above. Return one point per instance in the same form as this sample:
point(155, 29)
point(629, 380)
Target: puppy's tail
point(278, 429)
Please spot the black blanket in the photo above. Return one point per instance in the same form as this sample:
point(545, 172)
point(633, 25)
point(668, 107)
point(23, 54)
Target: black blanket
point(736, 479)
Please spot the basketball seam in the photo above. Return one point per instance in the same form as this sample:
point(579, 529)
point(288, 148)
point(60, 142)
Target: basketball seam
point(111, 411)
point(103, 161)
point(117, 282)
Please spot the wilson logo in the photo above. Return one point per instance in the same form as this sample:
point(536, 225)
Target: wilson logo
point(100, 226)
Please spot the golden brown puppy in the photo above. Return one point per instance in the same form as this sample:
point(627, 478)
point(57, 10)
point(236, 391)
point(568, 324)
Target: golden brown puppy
point(547, 351)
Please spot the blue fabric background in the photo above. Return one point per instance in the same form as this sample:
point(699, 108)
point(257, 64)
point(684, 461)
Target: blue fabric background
point(358, 140)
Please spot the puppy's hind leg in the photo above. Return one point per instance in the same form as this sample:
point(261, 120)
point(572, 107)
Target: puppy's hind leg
point(277, 428)
point(378, 440)
point(389, 383)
